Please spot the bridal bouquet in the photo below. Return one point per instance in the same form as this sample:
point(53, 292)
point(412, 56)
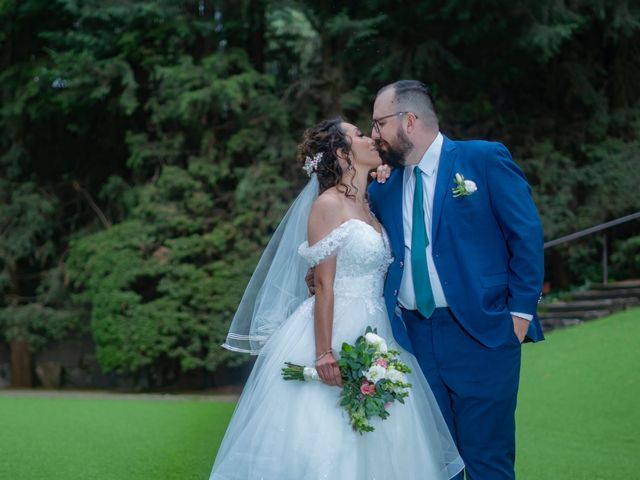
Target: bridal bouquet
point(373, 377)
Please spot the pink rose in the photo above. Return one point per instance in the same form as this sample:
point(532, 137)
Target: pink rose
point(368, 389)
point(382, 362)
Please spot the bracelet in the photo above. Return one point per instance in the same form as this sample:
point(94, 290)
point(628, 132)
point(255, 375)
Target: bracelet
point(324, 354)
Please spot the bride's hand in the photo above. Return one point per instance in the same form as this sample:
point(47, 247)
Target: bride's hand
point(382, 173)
point(328, 370)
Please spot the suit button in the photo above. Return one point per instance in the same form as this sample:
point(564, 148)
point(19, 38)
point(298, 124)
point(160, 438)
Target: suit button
point(395, 293)
point(401, 264)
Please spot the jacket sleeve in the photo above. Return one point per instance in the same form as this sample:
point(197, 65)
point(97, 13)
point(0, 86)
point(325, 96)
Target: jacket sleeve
point(516, 213)
point(373, 191)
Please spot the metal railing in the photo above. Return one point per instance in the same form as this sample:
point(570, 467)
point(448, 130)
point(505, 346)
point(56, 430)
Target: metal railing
point(591, 231)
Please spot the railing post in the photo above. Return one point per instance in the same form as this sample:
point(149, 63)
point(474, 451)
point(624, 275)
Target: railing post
point(605, 259)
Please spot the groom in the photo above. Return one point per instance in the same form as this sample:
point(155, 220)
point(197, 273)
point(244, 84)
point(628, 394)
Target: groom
point(463, 289)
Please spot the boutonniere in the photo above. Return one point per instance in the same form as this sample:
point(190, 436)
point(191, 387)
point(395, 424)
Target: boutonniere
point(463, 187)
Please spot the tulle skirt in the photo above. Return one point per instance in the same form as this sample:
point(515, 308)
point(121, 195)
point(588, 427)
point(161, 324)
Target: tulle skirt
point(287, 430)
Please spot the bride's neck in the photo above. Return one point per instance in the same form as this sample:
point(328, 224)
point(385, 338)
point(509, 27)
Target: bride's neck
point(360, 182)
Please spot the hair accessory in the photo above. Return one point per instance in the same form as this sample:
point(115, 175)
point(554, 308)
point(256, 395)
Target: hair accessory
point(311, 164)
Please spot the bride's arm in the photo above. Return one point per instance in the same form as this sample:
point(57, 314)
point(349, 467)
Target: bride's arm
point(325, 216)
point(326, 364)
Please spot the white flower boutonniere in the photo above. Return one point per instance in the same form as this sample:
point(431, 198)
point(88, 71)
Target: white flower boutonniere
point(463, 187)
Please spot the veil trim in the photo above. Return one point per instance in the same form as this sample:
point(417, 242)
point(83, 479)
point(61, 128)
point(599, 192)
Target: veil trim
point(277, 286)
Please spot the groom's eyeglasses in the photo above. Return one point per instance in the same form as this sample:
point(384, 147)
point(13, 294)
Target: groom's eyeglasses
point(376, 121)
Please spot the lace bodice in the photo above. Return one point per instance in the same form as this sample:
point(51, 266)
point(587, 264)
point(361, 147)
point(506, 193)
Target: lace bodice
point(362, 258)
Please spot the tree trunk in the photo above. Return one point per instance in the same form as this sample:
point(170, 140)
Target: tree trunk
point(21, 375)
point(256, 40)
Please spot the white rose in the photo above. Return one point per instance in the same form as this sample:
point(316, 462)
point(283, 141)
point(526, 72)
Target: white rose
point(375, 373)
point(470, 186)
point(372, 338)
point(394, 375)
point(377, 341)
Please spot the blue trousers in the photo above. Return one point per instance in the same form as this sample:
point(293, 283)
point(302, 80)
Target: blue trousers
point(476, 388)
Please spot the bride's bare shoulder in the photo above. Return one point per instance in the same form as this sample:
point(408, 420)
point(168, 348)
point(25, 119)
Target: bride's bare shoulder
point(327, 213)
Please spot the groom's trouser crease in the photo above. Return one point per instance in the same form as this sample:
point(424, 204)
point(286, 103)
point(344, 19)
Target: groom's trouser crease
point(476, 388)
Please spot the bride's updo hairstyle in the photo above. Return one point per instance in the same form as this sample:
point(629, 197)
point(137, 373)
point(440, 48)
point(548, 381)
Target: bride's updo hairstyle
point(317, 153)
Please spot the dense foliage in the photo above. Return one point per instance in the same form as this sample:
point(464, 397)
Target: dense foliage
point(147, 146)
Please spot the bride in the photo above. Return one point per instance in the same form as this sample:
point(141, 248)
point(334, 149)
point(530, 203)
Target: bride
point(289, 430)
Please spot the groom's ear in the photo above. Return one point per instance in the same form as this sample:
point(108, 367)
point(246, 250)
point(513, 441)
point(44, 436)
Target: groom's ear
point(411, 121)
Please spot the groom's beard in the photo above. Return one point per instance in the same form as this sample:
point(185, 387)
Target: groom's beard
point(389, 155)
point(396, 155)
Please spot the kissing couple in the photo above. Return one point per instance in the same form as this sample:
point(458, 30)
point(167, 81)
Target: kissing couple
point(442, 255)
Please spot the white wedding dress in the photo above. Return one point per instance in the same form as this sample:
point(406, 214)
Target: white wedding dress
point(287, 430)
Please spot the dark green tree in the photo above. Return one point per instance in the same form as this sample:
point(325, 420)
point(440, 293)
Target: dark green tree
point(147, 147)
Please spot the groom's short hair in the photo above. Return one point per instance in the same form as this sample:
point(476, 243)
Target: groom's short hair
point(413, 96)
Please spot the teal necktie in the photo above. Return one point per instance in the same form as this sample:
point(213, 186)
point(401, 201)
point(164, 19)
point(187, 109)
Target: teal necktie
point(421, 284)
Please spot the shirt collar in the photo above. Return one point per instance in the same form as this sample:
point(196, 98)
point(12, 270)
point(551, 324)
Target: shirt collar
point(429, 162)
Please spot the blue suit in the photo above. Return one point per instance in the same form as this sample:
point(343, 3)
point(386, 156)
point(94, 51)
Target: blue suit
point(488, 251)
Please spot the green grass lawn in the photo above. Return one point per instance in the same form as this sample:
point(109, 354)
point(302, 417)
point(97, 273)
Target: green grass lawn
point(577, 419)
point(82, 439)
point(578, 409)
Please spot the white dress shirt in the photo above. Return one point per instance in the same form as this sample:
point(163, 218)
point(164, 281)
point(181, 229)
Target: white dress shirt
point(428, 166)
point(429, 169)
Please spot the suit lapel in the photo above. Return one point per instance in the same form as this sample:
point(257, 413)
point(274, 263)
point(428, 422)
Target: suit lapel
point(444, 183)
point(395, 205)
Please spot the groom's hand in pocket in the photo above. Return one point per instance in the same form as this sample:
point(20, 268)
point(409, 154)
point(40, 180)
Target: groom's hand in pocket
point(520, 327)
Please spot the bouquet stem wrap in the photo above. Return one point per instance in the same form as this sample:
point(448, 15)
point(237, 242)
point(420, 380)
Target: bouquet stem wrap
point(300, 373)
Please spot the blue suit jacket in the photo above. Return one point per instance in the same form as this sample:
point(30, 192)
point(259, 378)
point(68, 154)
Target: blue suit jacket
point(487, 246)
